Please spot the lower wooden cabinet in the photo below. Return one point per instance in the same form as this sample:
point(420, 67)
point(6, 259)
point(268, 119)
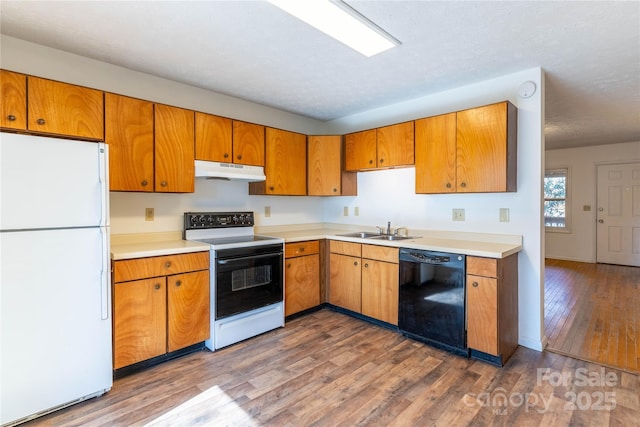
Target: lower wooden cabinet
point(364, 279)
point(492, 307)
point(160, 304)
point(302, 276)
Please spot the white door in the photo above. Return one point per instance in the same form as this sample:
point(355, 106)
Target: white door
point(618, 235)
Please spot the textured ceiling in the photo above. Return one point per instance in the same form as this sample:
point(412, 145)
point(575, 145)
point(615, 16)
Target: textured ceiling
point(590, 52)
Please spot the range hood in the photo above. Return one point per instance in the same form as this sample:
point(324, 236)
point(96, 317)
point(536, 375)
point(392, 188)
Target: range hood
point(229, 171)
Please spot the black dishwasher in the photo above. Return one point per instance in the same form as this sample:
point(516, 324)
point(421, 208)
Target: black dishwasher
point(432, 299)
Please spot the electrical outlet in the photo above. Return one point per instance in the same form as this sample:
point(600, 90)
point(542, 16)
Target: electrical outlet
point(149, 214)
point(586, 208)
point(356, 211)
point(267, 211)
point(345, 211)
point(457, 214)
point(504, 214)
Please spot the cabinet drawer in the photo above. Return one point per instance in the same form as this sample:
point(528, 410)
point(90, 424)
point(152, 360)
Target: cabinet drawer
point(380, 253)
point(346, 248)
point(140, 268)
point(487, 267)
point(292, 250)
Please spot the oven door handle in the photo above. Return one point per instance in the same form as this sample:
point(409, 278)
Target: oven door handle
point(227, 260)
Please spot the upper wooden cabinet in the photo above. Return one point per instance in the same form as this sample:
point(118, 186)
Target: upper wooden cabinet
point(174, 149)
point(385, 147)
point(151, 146)
point(471, 151)
point(13, 107)
point(64, 109)
point(214, 138)
point(325, 173)
point(248, 143)
point(285, 164)
point(129, 133)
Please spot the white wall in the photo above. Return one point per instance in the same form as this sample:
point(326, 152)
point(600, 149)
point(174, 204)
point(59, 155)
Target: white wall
point(580, 243)
point(383, 195)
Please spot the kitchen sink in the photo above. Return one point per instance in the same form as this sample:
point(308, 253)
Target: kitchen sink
point(392, 237)
point(361, 234)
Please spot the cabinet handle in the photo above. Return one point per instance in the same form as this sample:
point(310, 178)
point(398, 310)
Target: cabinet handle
point(156, 286)
point(355, 262)
point(11, 117)
point(601, 221)
point(167, 264)
point(40, 121)
point(225, 155)
point(271, 188)
point(370, 162)
point(335, 190)
point(448, 185)
point(474, 284)
point(464, 184)
point(144, 183)
point(366, 265)
point(289, 265)
point(178, 282)
point(301, 249)
point(163, 184)
point(381, 160)
point(239, 157)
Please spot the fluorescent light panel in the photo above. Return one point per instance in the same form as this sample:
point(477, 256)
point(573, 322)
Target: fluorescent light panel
point(338, 20)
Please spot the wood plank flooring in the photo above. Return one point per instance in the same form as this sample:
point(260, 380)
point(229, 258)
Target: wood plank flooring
point(328, 369)
point(592, 312)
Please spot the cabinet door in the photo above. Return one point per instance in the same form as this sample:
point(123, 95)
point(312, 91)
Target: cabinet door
point(436, 154)
point(345, 276)
point(482, 314)
point(380, 290)
point(174, 150)
point(482, 149)
point(395, 145)
point(13, 87)
point(248, 143)
point(286, 163)
point(140, 321)
point(302, 284)
point(188, 309)
point(64, 109)
point(324, 155)
point(129, 133)
point(213, 138)
point(360, 150)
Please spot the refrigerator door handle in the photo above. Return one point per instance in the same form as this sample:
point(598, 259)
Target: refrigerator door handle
point(105, 276)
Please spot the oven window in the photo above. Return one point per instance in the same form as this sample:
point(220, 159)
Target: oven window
point(250, 277)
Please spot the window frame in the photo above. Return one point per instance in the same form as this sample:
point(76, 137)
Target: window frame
point(559, 171)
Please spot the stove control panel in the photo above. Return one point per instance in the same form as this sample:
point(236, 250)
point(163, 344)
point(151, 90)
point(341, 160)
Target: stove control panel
point(204, 220)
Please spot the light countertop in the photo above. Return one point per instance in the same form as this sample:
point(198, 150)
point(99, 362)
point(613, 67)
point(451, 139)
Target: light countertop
point(126, 246)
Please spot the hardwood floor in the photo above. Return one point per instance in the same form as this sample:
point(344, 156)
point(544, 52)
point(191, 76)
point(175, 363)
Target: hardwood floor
point(328, 369)
point(592, 312)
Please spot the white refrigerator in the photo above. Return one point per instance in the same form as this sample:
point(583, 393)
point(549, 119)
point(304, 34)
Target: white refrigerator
point(55, 311)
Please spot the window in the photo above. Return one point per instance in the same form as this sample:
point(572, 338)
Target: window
point(556, 200)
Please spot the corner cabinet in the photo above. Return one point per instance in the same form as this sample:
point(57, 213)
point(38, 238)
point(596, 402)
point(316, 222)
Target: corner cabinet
point(492, 308)
point(364, 279)
point(302, 276)
point(285, 165)
point(385, 147)
point(151, 146)
point(325, 170)
point(160, 305)
point(471, 151)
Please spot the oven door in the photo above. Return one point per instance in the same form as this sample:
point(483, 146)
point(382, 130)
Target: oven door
point(247, 278)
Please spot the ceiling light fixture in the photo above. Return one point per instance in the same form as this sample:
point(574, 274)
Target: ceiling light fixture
point(340, 21)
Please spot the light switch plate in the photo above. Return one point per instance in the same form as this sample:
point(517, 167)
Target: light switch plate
point(504, 214)
point(149, 214)
point(345, 211)
point(457, 214)
point(356, 211)
point(267, 211)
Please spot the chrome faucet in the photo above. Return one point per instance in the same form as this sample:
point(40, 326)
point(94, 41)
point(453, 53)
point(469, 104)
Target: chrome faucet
point(389, 228)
